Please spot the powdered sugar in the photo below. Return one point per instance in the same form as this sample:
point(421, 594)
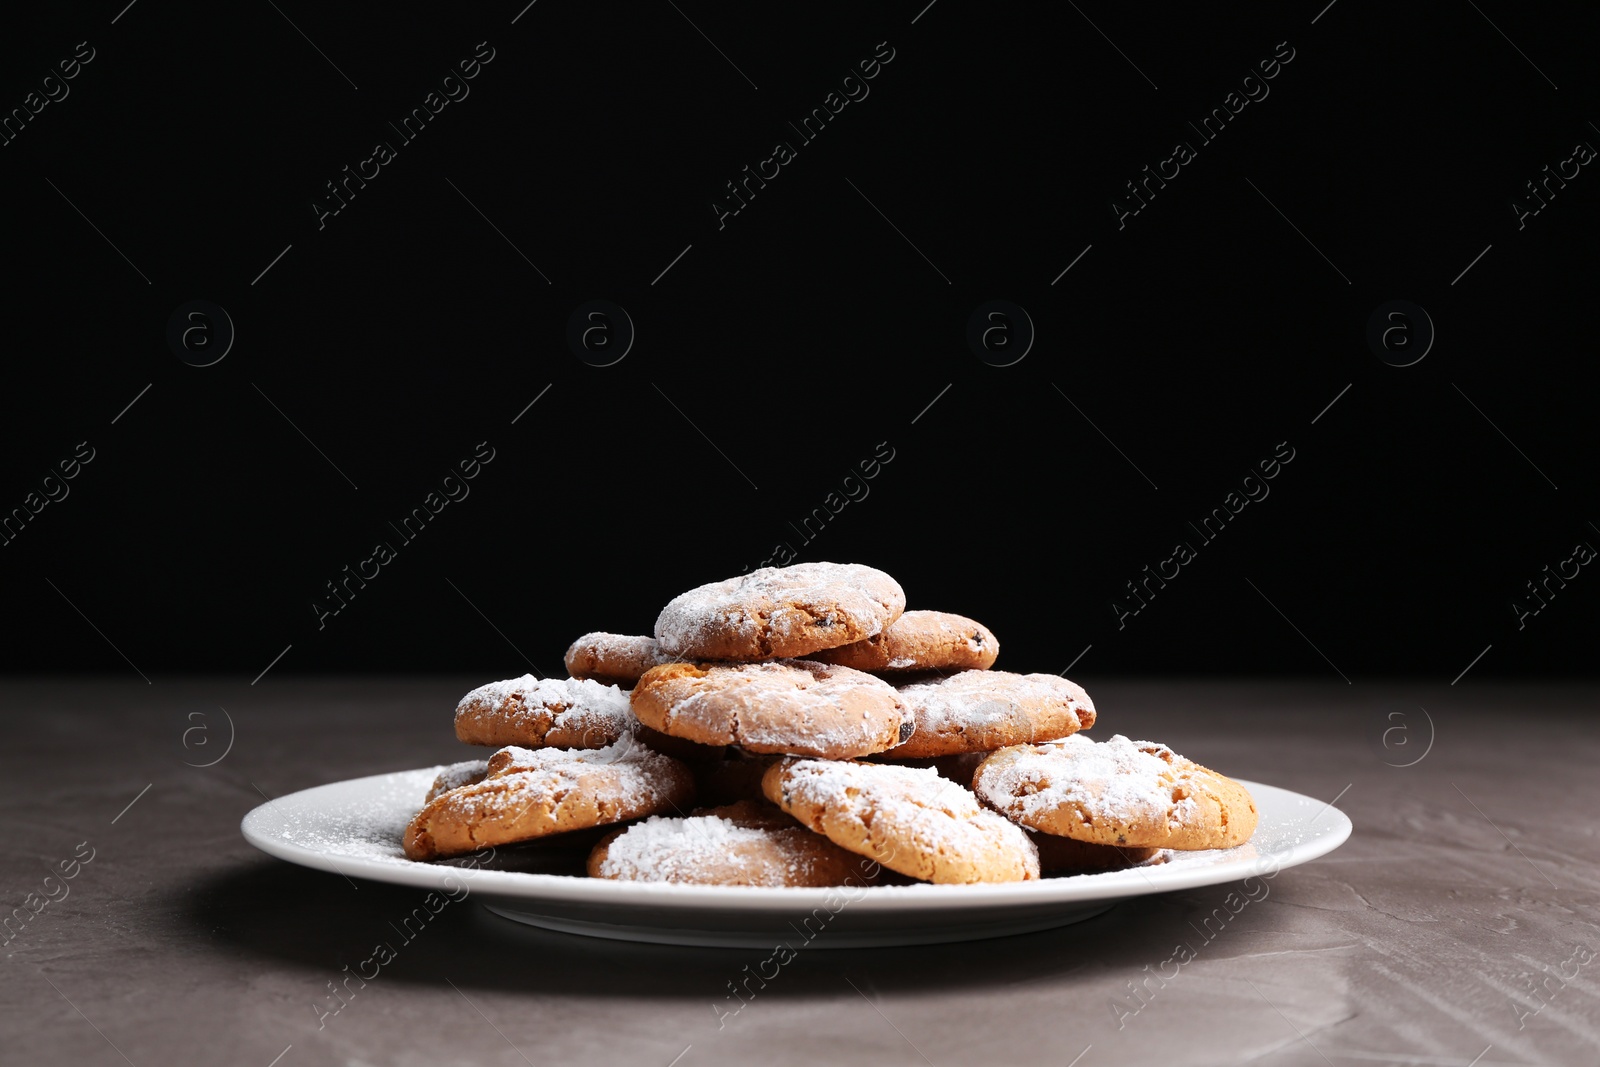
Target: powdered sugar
point(690, 850)
point(824, 783)
point(911, 810)
point(797, 706)
point(969, 696)
point(930, 813)
point(1117, 781)
point(623, 780)
point(784, 601)
point(577, 704)
point(619, 656)
point(367, 826)
point(626, 752)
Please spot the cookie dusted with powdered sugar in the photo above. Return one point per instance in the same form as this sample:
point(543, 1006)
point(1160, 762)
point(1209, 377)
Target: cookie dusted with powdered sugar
point(748, 843)
point(796, 707)
point(921, 641)
point(980, 711)
point(780, 612)
point(532, 793)
point(614, 659)
point(543, 713)
point(909, 820)
point(1137, 794)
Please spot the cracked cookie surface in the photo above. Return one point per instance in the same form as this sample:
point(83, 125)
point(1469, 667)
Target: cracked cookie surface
point(539, 712)
point(614, 659)
point(1137, 794)
point(780, 612)
point(921, 641)
point(531, 793)
point(908, 819)
point(748, 843)
point(797, 707)
point(980, 711)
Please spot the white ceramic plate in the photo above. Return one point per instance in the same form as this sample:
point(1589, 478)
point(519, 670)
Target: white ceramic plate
point(354, 827)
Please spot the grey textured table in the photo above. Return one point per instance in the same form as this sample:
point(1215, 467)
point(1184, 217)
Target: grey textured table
point(1455, 927)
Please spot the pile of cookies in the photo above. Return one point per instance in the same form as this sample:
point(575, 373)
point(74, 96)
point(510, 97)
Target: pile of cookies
point(825, 731)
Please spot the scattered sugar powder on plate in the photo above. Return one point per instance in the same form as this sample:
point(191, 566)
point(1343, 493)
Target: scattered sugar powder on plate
point(367, 829)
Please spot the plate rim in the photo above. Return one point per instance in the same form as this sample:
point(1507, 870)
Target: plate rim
point(531, 886)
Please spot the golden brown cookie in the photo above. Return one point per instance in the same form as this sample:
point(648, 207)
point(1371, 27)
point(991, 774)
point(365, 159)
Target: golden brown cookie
point(532, 793)
point(1063, 855)
point(614, 659)
point(1136, 794)
point(543, 713)
point(748, 843)
point(778, 612)
point(457, 775)
point(910, 820)
point(920, 641)
point(790, 706)
point(979, 711)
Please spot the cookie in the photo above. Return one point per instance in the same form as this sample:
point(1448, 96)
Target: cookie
point(1063, 855)
point(543, 713)
point(614, 659)
point(908, 819)
point(980, 711)
point(1136, 794)
point(920, 641)
point(533, 793)
point(457, 775)
point(780, 612)
point(748, 843)
point(790, 706)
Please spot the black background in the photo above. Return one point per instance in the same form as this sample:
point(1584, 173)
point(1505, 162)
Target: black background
point(780, 350)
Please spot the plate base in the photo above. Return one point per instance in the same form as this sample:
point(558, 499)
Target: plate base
point(354, 829)
point(766, 937)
